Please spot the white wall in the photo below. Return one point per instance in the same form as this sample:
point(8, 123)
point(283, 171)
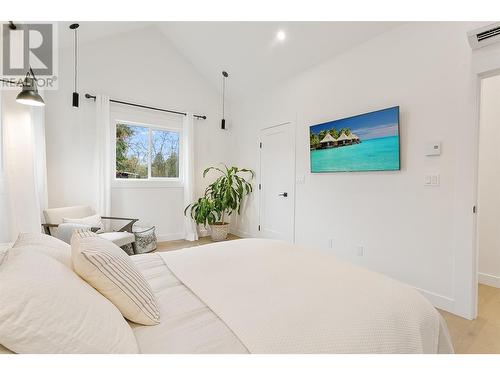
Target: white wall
point(489, 183)
point(141, 66)
point(420, 235)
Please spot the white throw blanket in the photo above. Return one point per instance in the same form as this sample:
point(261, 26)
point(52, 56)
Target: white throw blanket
point(280, 298)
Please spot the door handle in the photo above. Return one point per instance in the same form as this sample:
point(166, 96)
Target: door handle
point(285, 194)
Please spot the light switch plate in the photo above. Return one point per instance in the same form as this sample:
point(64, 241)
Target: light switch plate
point(360, 251)
point(432, 180)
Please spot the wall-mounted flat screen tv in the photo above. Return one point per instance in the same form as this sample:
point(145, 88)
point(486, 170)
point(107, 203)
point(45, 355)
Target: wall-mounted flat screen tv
point(367, 142)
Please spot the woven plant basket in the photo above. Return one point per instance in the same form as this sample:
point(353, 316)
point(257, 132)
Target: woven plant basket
point(219, 231)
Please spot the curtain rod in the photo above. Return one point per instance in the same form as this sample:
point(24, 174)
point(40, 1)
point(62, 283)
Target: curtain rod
point(199, 117)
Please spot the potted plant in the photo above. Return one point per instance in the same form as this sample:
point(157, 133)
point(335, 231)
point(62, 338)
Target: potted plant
point(222, 197)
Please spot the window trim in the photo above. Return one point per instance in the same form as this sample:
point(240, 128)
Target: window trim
point(155, 182)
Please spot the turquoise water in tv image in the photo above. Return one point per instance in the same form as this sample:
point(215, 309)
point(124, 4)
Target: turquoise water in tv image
point(370, 155)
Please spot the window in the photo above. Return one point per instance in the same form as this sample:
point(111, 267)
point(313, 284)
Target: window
point(144, 152)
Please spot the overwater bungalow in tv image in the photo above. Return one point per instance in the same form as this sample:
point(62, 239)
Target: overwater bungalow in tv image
point(333, 138)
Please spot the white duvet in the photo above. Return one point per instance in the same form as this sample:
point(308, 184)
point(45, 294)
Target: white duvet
point(187, 324)
point(264, 296)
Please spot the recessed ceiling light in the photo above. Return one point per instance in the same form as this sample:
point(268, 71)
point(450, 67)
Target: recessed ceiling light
point(281, 35)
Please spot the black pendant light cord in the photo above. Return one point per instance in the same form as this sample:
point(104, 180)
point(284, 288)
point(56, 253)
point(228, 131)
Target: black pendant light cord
point(223, 96)
point(76, 57)
point(223, 121)
point(20, 83)
point(75, 96)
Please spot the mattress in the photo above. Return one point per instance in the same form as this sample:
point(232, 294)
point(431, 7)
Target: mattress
point(281, 298)
point(187, 324)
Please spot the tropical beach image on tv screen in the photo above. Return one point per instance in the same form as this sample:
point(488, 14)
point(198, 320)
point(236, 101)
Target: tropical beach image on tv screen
point(367, 142)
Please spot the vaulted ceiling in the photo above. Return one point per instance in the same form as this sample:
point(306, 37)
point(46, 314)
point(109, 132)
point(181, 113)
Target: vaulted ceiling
point(252, 54)
point(249, 51)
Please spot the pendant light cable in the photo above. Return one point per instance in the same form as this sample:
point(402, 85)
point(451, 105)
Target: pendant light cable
point(224, 76)
point(76, 57)
point(76, 100)
point(223, 94)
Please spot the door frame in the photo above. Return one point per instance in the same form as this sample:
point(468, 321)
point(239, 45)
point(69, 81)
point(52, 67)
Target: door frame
point(478, 77)
point(483, 65)
point(294, 130)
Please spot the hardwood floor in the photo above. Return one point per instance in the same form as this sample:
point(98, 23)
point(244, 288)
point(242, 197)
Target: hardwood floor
point(480, 336)
point(181, 244)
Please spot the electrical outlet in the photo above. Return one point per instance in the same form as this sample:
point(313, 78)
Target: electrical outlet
point(360, 251)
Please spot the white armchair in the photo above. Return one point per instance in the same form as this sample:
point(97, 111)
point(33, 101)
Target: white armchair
point(122, 237)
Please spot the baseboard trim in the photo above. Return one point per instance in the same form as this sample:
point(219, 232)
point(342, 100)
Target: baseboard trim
point(438, 300)
point(169, 237)
point(489, 280)
point(240, 233)
point(180, 236)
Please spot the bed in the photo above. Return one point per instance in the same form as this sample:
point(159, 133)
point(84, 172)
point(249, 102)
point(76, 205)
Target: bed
point(235, 297)
point(266, 296)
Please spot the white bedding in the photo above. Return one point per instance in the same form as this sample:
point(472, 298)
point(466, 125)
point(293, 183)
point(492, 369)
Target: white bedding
point(187, 324)
point(263, 296)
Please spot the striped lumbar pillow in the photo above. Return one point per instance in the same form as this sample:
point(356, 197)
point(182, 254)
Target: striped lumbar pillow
point(109, 270)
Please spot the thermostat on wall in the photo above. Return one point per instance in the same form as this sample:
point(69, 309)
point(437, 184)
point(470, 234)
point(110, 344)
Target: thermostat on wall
point(432, 148)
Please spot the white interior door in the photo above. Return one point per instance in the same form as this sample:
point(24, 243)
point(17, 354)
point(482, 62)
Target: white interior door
point(277, 182)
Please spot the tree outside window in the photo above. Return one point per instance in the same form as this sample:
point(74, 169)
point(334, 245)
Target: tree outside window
point(143, 152)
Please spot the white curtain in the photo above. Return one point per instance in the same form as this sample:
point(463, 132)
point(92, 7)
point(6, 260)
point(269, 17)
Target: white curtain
point(190, 232)
point(23, 175)
point(103, 133)
point(5, 218)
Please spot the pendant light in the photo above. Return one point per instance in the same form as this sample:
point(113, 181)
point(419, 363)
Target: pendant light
point(224, 76)
point(74, 26)
point(29, 94)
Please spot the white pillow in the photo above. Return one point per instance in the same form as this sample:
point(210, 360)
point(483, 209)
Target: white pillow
point(65, 231)
point(109, 269)
point(47, 308)
point(93, 221)
point(49, 245)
